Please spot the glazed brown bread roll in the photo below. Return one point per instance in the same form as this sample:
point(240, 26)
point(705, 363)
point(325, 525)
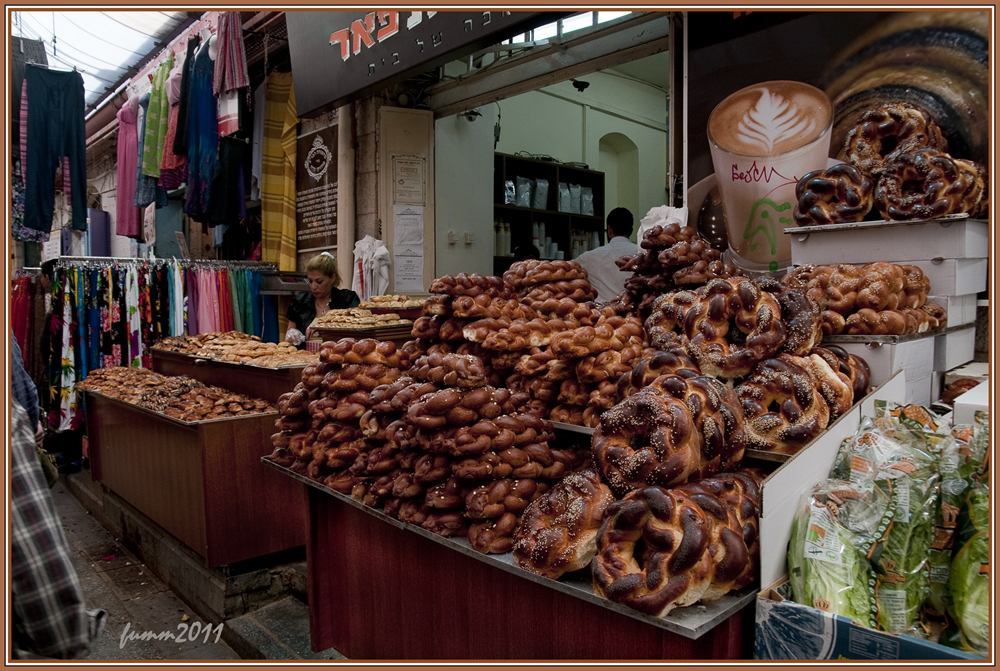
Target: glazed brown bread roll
point(558, 531)
point(837, 195)
point(885, 130)
point(922, 184)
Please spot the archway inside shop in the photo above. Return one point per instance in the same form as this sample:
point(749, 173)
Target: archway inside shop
point(619, 161)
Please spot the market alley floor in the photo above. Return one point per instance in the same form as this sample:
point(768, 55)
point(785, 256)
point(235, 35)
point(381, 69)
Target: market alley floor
point(135, 599)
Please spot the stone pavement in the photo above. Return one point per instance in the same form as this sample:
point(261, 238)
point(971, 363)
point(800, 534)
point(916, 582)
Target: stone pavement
point(136, 600)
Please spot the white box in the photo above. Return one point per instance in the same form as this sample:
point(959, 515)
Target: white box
point(955, 277)
point(977, 370)
point(916, 357)
point(961, 309)
point(966, 405)
point(918, 391)
point(955, 348)
point(898, 242)
point(783, 489)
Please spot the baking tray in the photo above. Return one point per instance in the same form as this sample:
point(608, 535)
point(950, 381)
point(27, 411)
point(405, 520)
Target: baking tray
point(691, 621)
point(853, 226)
point(891, 339)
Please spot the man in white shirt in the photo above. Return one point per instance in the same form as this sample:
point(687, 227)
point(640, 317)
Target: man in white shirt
point(599, 263)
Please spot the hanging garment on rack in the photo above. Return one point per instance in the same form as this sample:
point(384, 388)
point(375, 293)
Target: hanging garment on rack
point(17, 228)
point(203, 137)
point(181, 138)
point(95, 358)
point(191, 287)
point(157, 116)
point(128, 217)
point(62, 400)
point(145, 316)
point(256, 306)
point(55, 130)
point(133, 318)
point(80, 291)
point(176, 301)
point(278, 187)
point(20, 309)
point(173, 167)
point(146, 188)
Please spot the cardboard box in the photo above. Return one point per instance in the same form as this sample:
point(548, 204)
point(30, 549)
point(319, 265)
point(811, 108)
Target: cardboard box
point(783, 489)
point(787, 630)
point(897, 242)
point(966, 405)
point(920, 391)
point(955, 277)
point(916, 357)
point(955, 348)
point(977, 370)
point(961, 309)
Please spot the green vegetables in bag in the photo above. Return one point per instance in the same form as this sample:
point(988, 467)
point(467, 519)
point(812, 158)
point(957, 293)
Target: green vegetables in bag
point(969, 579)
point(836, 528)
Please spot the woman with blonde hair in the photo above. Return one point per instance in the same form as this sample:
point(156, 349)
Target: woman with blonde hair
point(323, 296)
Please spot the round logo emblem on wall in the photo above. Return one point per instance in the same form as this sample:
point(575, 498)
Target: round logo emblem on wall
point(318, 159)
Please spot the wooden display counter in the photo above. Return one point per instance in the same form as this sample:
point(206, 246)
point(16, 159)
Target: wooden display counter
point(201, 481)
point(255, 381)
point(383, 589)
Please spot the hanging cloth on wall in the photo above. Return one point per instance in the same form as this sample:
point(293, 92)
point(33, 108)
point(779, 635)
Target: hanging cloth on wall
point(20, 309)
point(157, 118)
point(95, 357)
point(173, 167)
point(184, 99)
point(56, 130)
point(202, 137)
point(128, 217)
point(146, 189)
point(278, 186)
point(231, 60)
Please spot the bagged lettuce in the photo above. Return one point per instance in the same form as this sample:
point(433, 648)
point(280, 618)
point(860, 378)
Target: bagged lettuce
point(837, 528)
point(961, 466)
point(969, 576)
point(901, 447)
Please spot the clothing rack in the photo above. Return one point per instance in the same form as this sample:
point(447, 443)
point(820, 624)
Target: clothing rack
point(211, 263)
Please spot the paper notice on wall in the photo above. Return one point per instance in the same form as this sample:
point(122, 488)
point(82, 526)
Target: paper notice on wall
point(408, 248)
point(408, 225)
point(408, 274)
point(52, 248)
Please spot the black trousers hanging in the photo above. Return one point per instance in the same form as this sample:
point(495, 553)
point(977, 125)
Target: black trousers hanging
point(56, 129)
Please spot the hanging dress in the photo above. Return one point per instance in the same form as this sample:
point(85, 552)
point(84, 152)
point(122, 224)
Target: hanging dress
point(202, 137)
point(133, 317)
point(128, 221)
point(173, 167)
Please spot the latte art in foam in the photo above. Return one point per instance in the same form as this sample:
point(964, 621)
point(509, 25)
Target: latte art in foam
point(774, 120)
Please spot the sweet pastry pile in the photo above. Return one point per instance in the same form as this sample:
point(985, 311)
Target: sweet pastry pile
point(878, 298)
point(179, 397)
point(237, 347)
point(357, 318)
point(392, 301)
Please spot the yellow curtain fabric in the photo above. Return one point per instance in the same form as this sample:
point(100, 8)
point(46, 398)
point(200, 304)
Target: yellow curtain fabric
point(278, 179)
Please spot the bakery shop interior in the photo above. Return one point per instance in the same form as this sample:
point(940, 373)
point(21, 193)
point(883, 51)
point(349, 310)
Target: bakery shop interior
point(676, 323)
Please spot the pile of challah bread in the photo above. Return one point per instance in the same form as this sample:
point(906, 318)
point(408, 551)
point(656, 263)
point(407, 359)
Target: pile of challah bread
point(391, 301)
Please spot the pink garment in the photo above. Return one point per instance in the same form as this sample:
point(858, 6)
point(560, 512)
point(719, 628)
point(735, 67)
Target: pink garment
point(128, 217)
point(173, 168)
point(208, 302)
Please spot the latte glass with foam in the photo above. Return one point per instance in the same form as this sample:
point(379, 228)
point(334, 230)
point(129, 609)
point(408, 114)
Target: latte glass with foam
point(763, 138)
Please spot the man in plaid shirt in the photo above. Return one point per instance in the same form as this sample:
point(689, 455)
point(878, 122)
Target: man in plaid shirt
point(49, 617)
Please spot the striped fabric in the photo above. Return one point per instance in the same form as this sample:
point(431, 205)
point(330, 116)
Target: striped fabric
point(231, 57)
point(278, 187)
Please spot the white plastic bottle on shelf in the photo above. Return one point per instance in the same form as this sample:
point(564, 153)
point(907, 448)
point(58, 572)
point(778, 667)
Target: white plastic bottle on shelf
point(534, 237)
point(595, 240)
point(497, 242)
point(506, 239)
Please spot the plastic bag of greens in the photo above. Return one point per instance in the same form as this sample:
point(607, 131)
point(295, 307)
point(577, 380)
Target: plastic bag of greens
point(899, 446)
point(969, 577)
point(961, 468)
point(837, 526)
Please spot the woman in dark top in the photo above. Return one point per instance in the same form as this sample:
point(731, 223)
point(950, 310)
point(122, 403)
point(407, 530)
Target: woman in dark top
point(322, 297)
